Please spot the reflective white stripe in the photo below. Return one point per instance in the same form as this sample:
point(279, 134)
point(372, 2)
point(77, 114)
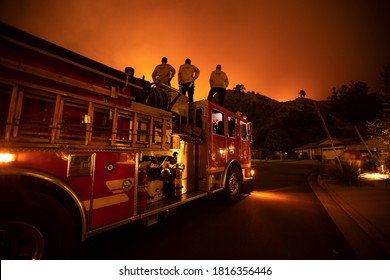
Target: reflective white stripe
point(116, 187)
point(106, 201)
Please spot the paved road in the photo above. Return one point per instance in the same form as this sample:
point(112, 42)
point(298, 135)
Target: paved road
point(281, 218)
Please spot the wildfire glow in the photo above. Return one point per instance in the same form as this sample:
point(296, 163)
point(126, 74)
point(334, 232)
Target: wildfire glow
point(324, 32)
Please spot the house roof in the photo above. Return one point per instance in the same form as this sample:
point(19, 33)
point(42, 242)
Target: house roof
point(327, 143)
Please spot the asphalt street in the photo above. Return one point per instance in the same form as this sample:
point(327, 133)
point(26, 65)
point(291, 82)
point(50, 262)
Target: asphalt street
point(279, 217)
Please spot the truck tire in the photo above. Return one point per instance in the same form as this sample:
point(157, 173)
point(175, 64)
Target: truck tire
point(233, 184)
point(36, 228)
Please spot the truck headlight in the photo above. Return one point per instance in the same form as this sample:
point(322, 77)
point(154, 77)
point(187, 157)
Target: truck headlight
point(7, 157)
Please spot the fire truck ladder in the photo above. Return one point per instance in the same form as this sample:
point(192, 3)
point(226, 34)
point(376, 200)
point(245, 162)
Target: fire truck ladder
point(42, 116)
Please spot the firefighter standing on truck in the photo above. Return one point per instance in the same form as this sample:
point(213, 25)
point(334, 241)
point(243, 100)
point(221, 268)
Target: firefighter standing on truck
point(218, 83)
point(188, 73)
point(164, 72)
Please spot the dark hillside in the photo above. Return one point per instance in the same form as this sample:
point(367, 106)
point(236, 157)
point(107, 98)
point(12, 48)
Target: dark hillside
point(296, 122)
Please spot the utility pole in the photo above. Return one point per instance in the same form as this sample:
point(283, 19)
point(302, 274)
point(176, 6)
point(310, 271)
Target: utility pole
point(328, 134)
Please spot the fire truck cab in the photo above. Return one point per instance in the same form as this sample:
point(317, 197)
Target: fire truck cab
point(222, 159)
point(85, 148)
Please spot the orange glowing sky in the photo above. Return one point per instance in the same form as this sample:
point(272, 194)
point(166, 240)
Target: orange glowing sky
point(275, 48)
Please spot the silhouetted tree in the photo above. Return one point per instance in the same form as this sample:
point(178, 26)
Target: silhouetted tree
point(302, 93)
point(379, 131)
point(354, 103)
point(239, 88)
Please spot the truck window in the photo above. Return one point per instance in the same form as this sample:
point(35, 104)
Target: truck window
point(231, 126)
point(217, 122)
point(249, 129)
point(244, 132)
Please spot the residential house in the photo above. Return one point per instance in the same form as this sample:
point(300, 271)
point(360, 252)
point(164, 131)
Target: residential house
point(347, 148)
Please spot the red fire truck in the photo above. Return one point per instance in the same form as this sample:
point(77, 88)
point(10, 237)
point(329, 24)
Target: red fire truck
point(85, 148)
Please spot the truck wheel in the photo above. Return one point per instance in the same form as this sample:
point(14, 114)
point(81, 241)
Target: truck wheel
point(38, 228)
point(20, 241)
point(233, 184)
